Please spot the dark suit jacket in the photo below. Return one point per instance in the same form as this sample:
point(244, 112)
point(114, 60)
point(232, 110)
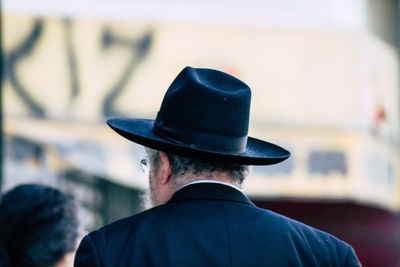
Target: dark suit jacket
point(210, 224)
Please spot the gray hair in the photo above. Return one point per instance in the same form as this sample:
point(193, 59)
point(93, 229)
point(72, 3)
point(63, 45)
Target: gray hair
point(181, 165)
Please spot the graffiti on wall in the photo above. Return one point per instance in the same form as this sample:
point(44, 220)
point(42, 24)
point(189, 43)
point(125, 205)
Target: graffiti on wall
point(137, 48)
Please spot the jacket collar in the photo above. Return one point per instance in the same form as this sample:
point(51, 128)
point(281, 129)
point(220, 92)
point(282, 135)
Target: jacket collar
point(209, 191)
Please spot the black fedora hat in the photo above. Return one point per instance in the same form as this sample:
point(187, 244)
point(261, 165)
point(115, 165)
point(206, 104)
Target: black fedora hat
point(205, 115)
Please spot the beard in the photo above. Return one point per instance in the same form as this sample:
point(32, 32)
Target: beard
point(146, 199)
point(149, 197)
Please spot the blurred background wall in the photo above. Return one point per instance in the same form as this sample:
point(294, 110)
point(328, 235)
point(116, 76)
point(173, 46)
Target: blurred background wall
point(324, 77)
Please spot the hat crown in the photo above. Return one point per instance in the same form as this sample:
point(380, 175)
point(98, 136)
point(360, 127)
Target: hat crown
point(206, 102)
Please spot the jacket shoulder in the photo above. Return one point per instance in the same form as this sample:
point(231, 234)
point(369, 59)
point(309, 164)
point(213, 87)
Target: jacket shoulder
point(122, 227)
point(303, 239)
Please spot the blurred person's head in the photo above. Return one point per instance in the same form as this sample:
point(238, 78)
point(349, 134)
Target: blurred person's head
point(38, 227)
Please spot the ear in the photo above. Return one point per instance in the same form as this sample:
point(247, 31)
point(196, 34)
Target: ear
point(165, 168)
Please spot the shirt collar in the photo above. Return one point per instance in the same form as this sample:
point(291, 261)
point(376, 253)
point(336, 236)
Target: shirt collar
point(206, 190)
point(211, 181)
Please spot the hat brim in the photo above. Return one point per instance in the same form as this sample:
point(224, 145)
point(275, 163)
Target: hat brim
point(140, 131)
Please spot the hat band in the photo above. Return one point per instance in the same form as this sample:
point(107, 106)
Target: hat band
point(201, 140)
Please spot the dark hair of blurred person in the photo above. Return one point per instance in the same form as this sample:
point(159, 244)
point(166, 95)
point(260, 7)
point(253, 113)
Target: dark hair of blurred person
point(38, 227)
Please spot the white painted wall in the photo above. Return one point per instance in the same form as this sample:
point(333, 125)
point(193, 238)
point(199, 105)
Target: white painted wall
point(349, 15)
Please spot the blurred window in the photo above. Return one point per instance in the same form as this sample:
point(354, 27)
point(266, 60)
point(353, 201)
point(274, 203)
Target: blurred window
point(326, 162)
